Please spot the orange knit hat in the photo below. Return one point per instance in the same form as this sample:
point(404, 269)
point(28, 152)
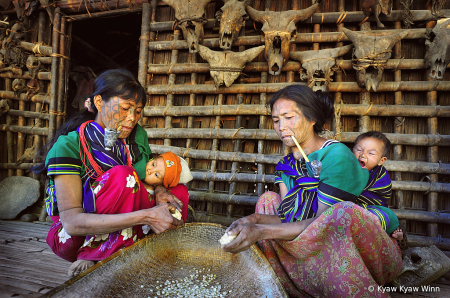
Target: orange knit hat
point(173, 169)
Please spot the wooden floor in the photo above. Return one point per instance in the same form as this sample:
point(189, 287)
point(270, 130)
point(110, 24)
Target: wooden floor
point(28, 268)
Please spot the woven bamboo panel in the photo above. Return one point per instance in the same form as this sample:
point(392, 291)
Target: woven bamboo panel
point(230, 150)
point(188, 253)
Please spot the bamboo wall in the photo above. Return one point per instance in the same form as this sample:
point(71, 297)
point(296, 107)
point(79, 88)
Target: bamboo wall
point(32, 119)
point(227, 134)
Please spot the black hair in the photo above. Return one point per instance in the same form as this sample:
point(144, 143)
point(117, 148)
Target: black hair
point(376, 135)
point(315, 106)
point(109, 84)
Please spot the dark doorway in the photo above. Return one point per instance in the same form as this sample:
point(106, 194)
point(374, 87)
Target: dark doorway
point(99, 44)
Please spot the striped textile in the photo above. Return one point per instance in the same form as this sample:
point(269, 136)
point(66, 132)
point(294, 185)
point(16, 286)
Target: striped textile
point(377, 193)
point(341, 179)
point(64, 159)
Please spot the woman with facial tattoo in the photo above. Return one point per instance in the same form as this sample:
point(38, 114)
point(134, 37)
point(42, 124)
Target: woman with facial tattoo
point(96, 199)
point(315, 235)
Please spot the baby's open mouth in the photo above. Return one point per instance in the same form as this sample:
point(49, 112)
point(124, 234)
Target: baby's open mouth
point(362, 163)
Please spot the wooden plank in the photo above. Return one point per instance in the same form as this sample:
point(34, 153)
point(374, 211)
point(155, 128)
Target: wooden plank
point(23, 288)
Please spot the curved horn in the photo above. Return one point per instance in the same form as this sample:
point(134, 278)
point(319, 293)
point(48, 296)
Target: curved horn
point(397, 37)
point(206, 53)
point(296, 56)
point(252, 53)
point(341, 51)
point(256, 15)
point(353, 36)
point(304, 14)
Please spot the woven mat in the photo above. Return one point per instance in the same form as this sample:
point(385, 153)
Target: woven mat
point(191, 252)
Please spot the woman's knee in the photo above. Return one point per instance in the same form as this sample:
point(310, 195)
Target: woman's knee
point(268, 203)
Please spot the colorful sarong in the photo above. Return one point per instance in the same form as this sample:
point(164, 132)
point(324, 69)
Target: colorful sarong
point(343, 253)
point(118, 190)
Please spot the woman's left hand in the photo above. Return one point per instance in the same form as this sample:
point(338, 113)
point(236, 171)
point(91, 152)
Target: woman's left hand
point(163, 197)
point(248, 234)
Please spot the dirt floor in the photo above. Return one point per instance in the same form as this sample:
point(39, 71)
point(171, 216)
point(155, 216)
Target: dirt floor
point(28, 268)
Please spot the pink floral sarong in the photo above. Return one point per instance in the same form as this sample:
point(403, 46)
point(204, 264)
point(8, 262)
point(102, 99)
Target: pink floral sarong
point(343, 253)
point(118, 190)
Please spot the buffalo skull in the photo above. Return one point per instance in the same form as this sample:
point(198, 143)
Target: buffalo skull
point(225, 67)
point(438, 52)
point(370, 55)
point(190, 16)
point(319, 65)
point(376, 7)
point(421, 266)
point(278, 27)
point(232, 17)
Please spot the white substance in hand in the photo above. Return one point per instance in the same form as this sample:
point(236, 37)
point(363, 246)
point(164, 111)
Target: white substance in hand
point(177, 214)
point(227, 238)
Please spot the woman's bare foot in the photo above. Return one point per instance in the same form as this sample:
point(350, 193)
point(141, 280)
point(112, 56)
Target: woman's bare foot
point(397, 234)
point(79, 266)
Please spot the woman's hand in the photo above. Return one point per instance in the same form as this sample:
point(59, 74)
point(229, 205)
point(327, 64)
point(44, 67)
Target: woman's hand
point(160, 219)
point(162, 197)
point(247, 235)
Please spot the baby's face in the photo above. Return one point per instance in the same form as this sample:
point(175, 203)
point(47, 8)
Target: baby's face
point(155, 171)
point(369, 152)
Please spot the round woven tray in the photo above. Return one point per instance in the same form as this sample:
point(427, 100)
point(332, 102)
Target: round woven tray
point(192, 252)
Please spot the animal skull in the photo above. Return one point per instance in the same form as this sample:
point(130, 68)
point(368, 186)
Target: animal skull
point(190, 15)
point(438, 52)
point(319, 64)
point(232, 17)
point(33, 65)
point(376, 7)
point(421, 266)
point(278, 27)
point(225, 67)
point(371, 54)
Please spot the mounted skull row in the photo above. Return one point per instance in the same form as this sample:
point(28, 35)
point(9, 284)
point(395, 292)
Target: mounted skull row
point(277, 26)
point(371, 52)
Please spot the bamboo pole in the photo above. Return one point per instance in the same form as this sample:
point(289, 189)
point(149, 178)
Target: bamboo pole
point(34, 47)
point(425, 216)
point(104, 14)
point(329, 18)
point(187, 68)
point(274, 87)
point(391, 165)
point(9, 134)
point(53, 84)
point(28, 114)
point(26, 75)
point(399, 126)
point(192, 97)
point(269, 134)
point(215, 146)
point(432, 228)
point(262, 110)
point(61, 76)
point(259, 40)
point(25, 129)
point(364, 97)
point(258, 178)
point(150, 53)
point(221, 220)
point(237, 142)
point(171, 81)
point(38, 108)
point(423, 241)
point(262, 125)
point(143, 47)
point(336, 125)
point(20, 137)
point(36, 98)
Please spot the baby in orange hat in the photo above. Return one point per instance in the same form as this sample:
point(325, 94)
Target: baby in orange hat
point(168, 170)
